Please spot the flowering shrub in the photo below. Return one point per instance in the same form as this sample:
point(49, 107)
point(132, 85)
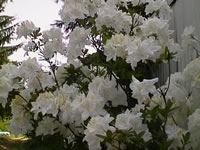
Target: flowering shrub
point(107, 95)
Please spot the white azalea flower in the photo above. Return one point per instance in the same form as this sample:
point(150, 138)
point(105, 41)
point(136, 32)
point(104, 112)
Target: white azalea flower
point(175, 133)
point(26, 28)
point(9, 70)
point(165, 11)
point(93, 5)
point(52, 47)
point(64, 99)
point(103, 86)
point(152, 6)
point(177, 88)
point(142, 50)
point(184, 92)
point(21, 123)
point(66, 113)
point(45, 104)
point(123, 120)
point(141, 90)
point(6, 87)
point(93, 105)
point(29, 68)
point(194, 128)
point(111, 17)
point(132, 121)
point(72, 10)
point(191, 76)
point(175, 48)
point(156, 26)
point(133, 2)
point(191, 73)
point(77, 41)
point(156, 100)
point(40, 81)
point(18, 106)
point(159, 5)
point(97, 125)
point(30, 46)
point(115, 47)
point(188, 40)
point(47, 126)
point(26, 93)
point(60, 74)
point(53, 42)
point(21, 120)
point(53, 34)
point(8, 73)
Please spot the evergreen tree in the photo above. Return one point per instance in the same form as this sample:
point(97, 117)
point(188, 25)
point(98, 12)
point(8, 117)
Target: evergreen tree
point(7, 30)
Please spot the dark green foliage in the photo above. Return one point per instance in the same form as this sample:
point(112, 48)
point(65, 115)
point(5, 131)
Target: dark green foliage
point(75, 75)
point(45, 143)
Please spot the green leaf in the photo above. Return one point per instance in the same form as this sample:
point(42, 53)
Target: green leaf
point(101, 136)
point(94, 31)
point(186, 137)
point(109, 134)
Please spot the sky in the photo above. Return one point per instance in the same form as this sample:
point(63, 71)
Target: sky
point(41, 12)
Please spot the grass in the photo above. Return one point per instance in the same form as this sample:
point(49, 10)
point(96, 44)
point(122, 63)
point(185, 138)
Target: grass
point(4, 125)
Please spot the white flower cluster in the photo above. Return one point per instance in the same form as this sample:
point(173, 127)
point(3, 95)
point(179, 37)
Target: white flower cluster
point(141, 90)
point(142, 50)
point(34, 76)
point(116, 47)
point(46, 104)
point(193, 126)
point(132, 121)
point(148, 45)
point(73, 9)
point(50, 41)
point(97, 126)
point(111, 17)
point(188, 37)
point(53, 42)
point(8, 81)
point(77, 41)
point(21, 120)
point(102, 87)
point(161, 6)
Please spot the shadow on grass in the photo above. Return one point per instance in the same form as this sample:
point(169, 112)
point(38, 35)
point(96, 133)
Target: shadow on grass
point(8, 143)
point(13, 144)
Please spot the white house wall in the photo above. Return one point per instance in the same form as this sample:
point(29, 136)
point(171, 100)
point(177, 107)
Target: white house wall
point(185, 13)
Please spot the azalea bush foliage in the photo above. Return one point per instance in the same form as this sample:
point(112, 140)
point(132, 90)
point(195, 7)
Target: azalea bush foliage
point(108, 94)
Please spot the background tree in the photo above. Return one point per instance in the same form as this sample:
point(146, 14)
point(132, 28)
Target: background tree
point(7, 29)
